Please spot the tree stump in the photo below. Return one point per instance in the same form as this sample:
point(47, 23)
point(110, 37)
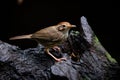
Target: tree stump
point(87, 59)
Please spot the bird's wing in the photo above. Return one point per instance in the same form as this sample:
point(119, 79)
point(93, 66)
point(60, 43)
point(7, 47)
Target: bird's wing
point(48, 34)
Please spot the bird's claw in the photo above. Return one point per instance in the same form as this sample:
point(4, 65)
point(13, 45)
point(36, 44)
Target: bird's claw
point(61, 59)
point(56, 48)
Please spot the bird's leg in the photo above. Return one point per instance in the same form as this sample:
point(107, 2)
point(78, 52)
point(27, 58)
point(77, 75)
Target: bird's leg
point(57, 48)
point(57, 59)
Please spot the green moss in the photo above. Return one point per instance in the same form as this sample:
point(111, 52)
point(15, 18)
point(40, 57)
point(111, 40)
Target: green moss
point(75, 33)
point(112, 60)
point(96, 40)
point(97, 43)
point(86, 78)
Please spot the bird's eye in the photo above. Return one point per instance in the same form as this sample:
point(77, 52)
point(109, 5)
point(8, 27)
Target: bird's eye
point(63, 25)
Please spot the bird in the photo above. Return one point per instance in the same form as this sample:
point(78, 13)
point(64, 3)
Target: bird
point(50, 37)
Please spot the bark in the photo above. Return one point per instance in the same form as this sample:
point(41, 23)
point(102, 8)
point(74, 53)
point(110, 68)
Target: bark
point(87, 59)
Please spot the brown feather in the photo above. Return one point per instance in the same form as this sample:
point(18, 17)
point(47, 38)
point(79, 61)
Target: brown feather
point(21, 37)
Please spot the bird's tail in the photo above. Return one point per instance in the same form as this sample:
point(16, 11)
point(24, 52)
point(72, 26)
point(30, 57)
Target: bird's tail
point(21, 37)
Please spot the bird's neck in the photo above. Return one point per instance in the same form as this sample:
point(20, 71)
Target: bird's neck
point(66, 33)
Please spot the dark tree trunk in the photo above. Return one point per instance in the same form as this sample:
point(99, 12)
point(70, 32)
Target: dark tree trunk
point(86, 60)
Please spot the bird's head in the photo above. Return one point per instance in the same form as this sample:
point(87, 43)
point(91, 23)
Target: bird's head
point(65, 26)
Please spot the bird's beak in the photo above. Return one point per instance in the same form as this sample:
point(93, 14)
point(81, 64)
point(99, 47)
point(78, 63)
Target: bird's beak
point(72, 26)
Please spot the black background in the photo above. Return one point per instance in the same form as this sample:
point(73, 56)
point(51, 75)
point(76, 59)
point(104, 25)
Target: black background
point(33, 15)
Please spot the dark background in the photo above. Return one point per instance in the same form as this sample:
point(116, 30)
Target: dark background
point(33, 15)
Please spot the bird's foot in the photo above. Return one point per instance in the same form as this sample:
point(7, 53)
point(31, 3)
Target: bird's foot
point(56, 48)
point(60, 59)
